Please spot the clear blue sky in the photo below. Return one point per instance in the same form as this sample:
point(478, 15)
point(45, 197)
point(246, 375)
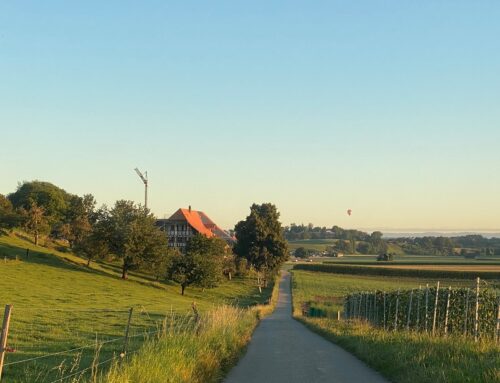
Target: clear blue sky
point(390, 108)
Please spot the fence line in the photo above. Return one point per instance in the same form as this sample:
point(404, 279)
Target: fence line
point(158, 327)
point(450, 311)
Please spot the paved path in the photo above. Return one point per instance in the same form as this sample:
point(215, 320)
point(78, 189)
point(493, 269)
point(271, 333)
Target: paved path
point(283, 350)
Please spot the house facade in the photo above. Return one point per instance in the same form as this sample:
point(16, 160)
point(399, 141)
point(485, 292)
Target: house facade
point(186, 223)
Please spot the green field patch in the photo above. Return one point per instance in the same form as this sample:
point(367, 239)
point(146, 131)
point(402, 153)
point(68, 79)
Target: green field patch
point(59, 304)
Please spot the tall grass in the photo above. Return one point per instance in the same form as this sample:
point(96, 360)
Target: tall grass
point(196, 350)
point(414, 357)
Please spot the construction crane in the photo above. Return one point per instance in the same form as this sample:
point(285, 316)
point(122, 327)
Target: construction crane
point(144, 178)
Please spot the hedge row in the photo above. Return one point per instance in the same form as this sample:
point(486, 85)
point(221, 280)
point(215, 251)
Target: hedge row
point(454, 310)
point(384, 271)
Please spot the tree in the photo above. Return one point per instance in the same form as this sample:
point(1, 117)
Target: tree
point(229, 266)
point(202, 263)
point(79, 218)
point(377, 244)
point(159, 266)
point(241, 266)
point(301, 252)
point(52, 199)
point(9, 218)
point(342, 246)
point(92, 247)
point(132, 235)
point(260, 238)
point(35, 221)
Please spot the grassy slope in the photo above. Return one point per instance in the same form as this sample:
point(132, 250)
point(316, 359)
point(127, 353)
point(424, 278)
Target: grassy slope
point(312, 244)
point(401, 357)
point(61, 304)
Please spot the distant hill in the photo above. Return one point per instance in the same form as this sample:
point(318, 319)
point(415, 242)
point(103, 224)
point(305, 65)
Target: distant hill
point(439, 234)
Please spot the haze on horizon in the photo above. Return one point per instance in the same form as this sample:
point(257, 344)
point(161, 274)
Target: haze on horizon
point(388, 109)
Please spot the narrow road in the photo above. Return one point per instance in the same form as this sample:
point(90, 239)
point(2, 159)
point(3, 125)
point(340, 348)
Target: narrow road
point(283, 350)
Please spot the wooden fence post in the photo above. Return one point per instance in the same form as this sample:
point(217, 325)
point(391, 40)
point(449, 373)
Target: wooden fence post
point(409, 311)
point(396, 312)
point(466, 311)
point(426, 307)
point(476, 317)
point(447, 311)
point(4, 335)
point(435, 310)
point(127, 331)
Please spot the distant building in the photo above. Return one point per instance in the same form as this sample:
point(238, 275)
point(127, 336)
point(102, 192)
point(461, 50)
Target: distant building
point(185, 223)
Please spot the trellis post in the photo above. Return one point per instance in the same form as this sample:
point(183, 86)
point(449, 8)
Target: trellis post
point(396, 312)
point(418, 307)
point(384, 310)
point(426, 307)
point(409, 311)
point(466, 314)
point(447, 311)
point(497, 329)
point(476, 317)
point(435, 310)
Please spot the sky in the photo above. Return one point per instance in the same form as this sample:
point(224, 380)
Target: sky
point(388, 108)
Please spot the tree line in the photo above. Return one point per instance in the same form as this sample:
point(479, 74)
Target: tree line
point(358, 242)
point(127, 233)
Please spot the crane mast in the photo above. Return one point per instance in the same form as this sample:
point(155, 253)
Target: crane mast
point(144, 178)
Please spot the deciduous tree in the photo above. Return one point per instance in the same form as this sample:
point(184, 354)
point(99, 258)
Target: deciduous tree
point(260, 238)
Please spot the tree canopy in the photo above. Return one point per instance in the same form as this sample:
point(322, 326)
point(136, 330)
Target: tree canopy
point(202, 263)
point(131, 234)
point(52, 199)
point(260, 238)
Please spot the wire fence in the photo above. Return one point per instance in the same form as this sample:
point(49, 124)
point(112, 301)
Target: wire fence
point(80, 344)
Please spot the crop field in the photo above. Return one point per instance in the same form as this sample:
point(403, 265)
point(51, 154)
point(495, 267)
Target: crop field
point(491, 273)
point(403, 356)
point(416, 260)
point(316, 286)
point(59, 304)
point(450, 267)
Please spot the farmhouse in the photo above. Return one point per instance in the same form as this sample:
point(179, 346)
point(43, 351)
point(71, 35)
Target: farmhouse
point(185, 223)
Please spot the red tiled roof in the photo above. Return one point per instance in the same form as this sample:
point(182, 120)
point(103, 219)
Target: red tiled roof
point(194, 219)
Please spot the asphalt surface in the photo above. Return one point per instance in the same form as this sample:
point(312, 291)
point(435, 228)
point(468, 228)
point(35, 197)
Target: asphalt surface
point(283, 350)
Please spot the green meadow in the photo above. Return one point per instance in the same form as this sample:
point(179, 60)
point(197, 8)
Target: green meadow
point(60, 304)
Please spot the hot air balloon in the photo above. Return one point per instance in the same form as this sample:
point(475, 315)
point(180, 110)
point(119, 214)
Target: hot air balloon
point(349, 212)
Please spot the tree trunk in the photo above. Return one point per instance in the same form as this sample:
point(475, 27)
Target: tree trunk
point(183, 287)
point(229, 275)
point(124, 271)
point(88, 262)
point(36, 238)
